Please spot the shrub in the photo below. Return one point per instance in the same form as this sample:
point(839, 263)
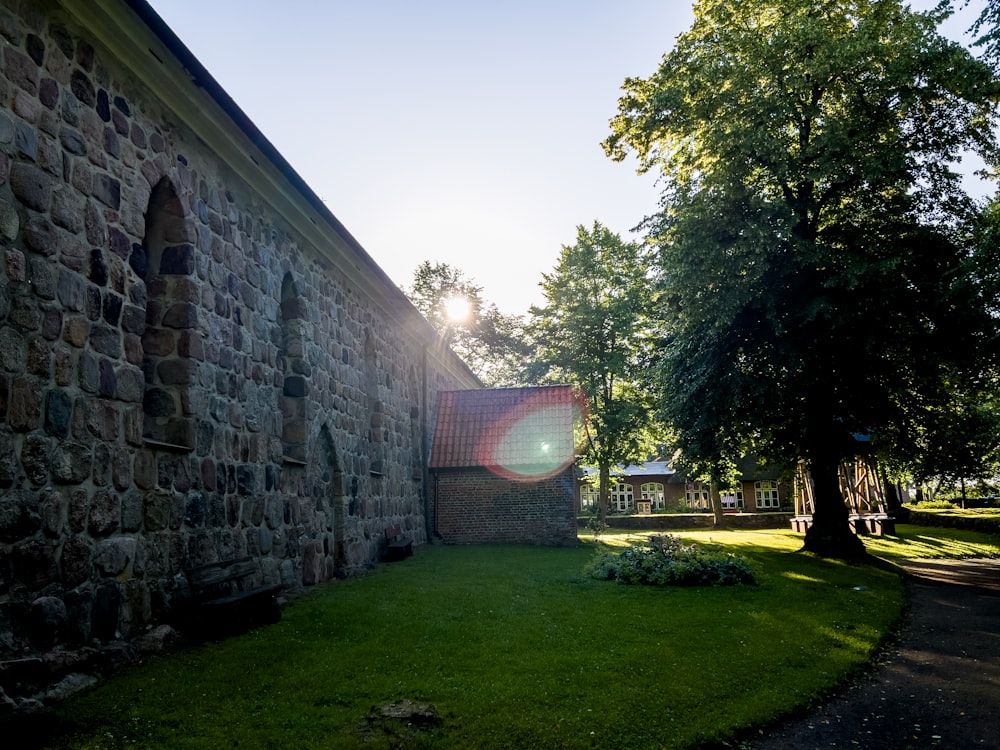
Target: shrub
point(933, 505)
point(666, 561)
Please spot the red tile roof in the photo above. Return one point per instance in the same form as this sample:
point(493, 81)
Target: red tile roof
point(515, 432)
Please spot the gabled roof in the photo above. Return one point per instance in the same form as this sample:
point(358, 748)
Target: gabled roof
point(649, 468)
point(520, 433)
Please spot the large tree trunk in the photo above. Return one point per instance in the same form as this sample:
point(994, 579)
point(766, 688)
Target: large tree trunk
point(830, 534)
point(603, 489)
point(716, 499)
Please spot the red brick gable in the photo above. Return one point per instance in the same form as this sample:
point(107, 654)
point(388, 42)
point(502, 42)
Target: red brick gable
point(515, 432)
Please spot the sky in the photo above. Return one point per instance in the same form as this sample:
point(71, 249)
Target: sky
point(464, 132)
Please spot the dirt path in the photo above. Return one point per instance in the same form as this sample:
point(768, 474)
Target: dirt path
point(937, 687)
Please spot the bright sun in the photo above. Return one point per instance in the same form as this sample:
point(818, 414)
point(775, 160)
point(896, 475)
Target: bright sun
point(457, 309)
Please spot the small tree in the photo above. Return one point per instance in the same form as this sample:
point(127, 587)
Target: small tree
point(490, 342)
point(594, 333)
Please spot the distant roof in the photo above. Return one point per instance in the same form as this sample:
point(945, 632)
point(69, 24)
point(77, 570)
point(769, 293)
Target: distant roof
point(651, 468)
point(521, 433)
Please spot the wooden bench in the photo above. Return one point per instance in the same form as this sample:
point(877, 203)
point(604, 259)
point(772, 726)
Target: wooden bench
point(225, 598)
point(399, 546)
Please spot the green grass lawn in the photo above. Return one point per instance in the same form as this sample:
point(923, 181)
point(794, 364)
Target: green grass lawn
point(515, 648)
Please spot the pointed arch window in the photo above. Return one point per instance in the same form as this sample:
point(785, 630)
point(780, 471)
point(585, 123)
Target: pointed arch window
point(295, 372)
point(170, 343)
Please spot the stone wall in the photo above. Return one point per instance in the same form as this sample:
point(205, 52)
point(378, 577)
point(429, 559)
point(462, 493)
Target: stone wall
point(190, 370)
point(473, 506)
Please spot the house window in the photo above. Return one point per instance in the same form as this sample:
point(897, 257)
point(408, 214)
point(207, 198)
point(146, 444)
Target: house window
point(622, 497)
point(696, 496)
point(589, 496)
point(732, 500)
point(652, 493)
point(766, 494)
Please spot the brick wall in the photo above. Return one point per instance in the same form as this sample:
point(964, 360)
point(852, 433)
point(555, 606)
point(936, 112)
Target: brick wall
point(474, 506)
point(188, 370)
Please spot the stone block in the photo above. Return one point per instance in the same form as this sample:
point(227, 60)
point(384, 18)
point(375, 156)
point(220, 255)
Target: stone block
point(20, 70)
point(40, 235)
point(159, 342)
point(144, 470)
point(177, 371)
point(107, 190)
point(105, 513)
point(58, 412)
point(19, 516)
point(47, 619)
point(102, 419)
point(133, 423)
point(25, 410)
point(71, 290)
point(10, 223)
point(295, 386)
point(39, 359)
point(102, 465)
point(190, 344)
point(35, 565)
point(67, 210)
point(51, 323)
point(181, 315)
point(132, 509)
point(53, 511)
point(76, 331)
point(16, 264)
point(112, 556)
point(70, 462)
point(177, 260)
point(31, 186)
point(13, 349)
point(121, 468)
point(131, 384)
point(42, 277)
point(9, 466)
point(97, 271)
point(104, 613)
point(75, 562)
point(133, 320)
point(111, 308)
point(108, 383)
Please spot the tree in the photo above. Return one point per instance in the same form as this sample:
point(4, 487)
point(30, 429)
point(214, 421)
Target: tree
point(814, 260)
point(594, 333)
point(987, 30)
point(489, 341)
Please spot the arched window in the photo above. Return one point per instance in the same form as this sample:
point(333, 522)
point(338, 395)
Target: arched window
point(590, 496)
point(331, 498)
point(652, 493)
point(622, 497)
point(295, 369)
point(166, 261)
point(696, 496)
point(766, 495)
point(371, 384)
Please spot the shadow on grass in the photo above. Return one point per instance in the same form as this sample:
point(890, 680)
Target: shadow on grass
point(512, 647)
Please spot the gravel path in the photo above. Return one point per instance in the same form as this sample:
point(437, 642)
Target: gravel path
point(938, 686)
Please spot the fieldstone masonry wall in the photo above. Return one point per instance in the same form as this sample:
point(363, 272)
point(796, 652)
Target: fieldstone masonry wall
point(183, 379)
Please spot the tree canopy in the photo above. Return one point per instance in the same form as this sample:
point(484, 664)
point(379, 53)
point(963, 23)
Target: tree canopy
point(814, 237)
point(489, 341)
point(595, 333)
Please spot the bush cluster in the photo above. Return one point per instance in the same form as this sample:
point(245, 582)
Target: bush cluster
point(666, 561)
point(934, 505)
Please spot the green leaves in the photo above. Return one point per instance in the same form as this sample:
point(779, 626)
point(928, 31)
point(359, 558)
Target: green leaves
point(813, 240)
point(595, 332)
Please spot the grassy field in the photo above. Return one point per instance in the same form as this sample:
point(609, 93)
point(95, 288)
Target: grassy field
point(514, 647)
